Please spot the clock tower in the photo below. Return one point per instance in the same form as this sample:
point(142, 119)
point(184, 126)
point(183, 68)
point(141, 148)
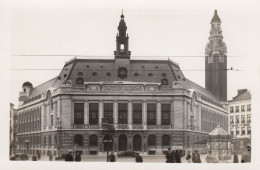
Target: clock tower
point(216, 61)
point(122, 41)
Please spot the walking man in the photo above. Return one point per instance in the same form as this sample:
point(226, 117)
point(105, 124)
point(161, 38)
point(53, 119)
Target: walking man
point(138, 158)
point(112, 157)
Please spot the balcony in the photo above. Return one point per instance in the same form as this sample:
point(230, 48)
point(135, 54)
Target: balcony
point(135, 126)
point(122, 126)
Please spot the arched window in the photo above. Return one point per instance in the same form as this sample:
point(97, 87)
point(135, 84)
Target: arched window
point(80, 74)
point(151, 140)
point(150, 74)
point(55, 141)
point(78, 139)
point(163, 74)
point(122, 47)
point(94, 73)
point(164, 81)
point(93, 140)
point(79, 81)
point(136, 74)
point(108, 74)
point(166, 140)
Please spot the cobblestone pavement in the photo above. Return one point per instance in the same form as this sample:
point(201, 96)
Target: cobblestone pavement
point(146, 158)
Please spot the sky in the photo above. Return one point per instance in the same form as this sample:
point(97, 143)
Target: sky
point(45, 35)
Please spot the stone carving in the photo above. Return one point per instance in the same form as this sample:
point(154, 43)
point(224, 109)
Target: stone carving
point(67, 83)
point(115, 88)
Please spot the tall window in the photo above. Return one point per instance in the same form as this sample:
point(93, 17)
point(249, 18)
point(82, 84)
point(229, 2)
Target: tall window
point(93, 140)
point(51, 120)
point(243, 131)
point(243, 119)
point(242, 108)
point(137, 113)
point(151, 140)
point(237, 108)
point(248, 118)
point(249, 107)
point(166, 110)
point(232, 133)
point(151, 114)
point(237, 119)
point(166, 140)
point(78, 113)
point(249, 130)
point(231, 109)
point(108, 112)
point(49, 141)
point(237, 131)
point(93, 113)
point(122, 113)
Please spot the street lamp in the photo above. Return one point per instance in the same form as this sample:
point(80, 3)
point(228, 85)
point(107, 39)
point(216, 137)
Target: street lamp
point(107, 132)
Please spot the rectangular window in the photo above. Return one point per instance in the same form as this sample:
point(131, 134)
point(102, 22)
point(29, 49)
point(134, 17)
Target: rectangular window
point(78, 113)
point(122, 113)
point(108, 112)
point(248, 118)
point(93, 113)
point(232, 133)
point(242, 108)
point(237, 108)
point(231, 119)
point(237, 119)
point(249, 130)
point(231, 109)
point(237, 131)
point(243, 119)
point(51, 120)
point(151, 114)
point(137, 113)
point(249, 107)
point(166, 110)
point(243, 131)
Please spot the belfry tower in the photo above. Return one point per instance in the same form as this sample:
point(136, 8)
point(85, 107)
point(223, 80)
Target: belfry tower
point(216, 61)
point(122, 41)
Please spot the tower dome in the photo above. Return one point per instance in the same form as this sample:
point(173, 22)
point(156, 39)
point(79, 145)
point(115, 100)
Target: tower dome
point(28, 84)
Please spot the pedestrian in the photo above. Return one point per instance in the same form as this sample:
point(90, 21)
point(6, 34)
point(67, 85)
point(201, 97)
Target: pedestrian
point(69, 156)
point(39, 154)
point(188, 157)
point(169, 156)
point(235, 158)
point(78, 157)
point(112, 157)
point(50, 156)
point(34, 158)
point(246, 156)
point(138, 158)
point(196, 157)
point(177, 157)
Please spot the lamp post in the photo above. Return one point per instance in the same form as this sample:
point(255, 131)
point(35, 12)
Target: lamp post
point(107, 131)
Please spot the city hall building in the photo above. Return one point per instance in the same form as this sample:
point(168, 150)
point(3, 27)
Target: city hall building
point(149, 105)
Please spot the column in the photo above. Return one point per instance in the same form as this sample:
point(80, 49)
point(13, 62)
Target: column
point(115, 112)
point(100, 112)
point(130, 113)
point(144, 113)
point(158, 113)
point(86, 112)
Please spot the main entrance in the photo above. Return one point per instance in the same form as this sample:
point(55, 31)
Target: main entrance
point(137, 143)
point(122, 142)
point(108, 143)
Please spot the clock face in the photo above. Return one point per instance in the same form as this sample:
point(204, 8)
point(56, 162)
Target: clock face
point(122, 72)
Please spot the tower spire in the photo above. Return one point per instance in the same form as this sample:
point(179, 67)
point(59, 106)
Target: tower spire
point(122, 40)
point(216, 61)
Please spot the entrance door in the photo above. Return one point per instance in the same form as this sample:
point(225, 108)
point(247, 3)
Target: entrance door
point(137, 143)
point(108, 146)
point(122, 142)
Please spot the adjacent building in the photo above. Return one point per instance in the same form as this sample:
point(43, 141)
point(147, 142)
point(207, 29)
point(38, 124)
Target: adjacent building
point(240, 119)
point(13, 129)
point(149, 104)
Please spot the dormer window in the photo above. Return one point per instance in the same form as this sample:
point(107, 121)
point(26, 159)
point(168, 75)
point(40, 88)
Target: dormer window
point(65, 75)
point(94, 74)
point(150, 75)
point(79, 81)
point(163, 74)
point(101, 66)
point(80, 74)
point(164, 81)
point(87, 66)
point(108, 74)
point(156, 67)
point(142, 67)
point(24, 90)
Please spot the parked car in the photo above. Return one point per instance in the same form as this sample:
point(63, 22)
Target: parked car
point(19, 156)
point(126, 154)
